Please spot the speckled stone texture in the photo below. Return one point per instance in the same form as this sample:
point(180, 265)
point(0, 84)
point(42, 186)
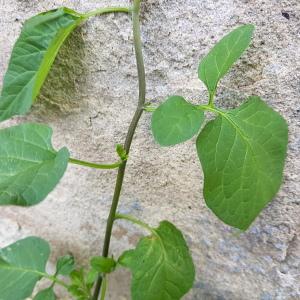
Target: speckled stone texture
point(89, 99)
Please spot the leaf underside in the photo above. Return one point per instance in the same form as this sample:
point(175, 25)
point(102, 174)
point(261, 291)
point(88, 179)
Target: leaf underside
point(176, 121)
point(21, 266)
point(242, 153)
point(32, 57)
point(30, 168)
point(223, 55)
point(161, 265)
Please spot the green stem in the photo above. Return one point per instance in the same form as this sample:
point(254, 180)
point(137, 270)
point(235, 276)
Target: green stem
point(104, 287)
point(106, 10)
point(210, 108)
point(94, 165)
point(150, 108)
point(130, 133)
point(211, 99)
point(54, 279)
point(135, 221)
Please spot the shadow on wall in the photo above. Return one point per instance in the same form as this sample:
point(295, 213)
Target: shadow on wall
point(62, 92)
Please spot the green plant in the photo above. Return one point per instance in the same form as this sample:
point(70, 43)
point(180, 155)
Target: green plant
point(242, 152)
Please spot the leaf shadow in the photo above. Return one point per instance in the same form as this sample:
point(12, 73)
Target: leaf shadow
point(62, 92)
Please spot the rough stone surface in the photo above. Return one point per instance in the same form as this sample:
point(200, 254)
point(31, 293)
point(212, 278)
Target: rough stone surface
point(89, 98)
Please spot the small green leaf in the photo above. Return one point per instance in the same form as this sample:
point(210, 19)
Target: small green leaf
point(175, 121)
point(65, 265)
point(25, 263)
point(242, 153)
point(91, 277)
point(78, 292)
point(30, 168)
point(103, 264)
point(80, 285)
point(47, 294)
point(32, 58)
point(161, 265)
point(77, 277)
point(223, 55)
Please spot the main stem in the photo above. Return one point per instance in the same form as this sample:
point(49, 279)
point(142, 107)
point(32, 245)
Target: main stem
point(130, 133)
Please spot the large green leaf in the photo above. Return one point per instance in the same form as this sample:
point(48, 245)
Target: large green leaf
point(223, 55)
point(242, 153)
point(175, 121)
point(32, 57)
point(22, 264)
point(161, 264)
point(29, 166)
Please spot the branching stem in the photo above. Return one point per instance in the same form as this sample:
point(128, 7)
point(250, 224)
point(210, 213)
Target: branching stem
point(94, 165)
point(135, 221)
point(55, 280)
point(106, 10)
point(130, 133)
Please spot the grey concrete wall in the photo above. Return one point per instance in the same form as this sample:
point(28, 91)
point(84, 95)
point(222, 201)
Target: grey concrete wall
point(89, 98)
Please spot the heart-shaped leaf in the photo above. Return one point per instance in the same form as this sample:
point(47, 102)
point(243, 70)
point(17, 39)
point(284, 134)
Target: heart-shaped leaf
point(29, 166)
point(223, 55)
point(242, 153)
point(161, 265)
point(22, 265)
point(32, 58)
point(176, 121)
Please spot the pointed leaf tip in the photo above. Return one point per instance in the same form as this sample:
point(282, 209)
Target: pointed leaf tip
point(223, 55)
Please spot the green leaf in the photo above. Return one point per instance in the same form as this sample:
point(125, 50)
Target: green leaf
point(80, 284)
point(32, 58)
point(47, 294)
point(91, 277)
point(242, 153)
point(77, 277)
point(161, 264)
point(65, 265)
point(223, 55)
point(103, 264)
point(30, 168)
point(24, 265)
point(175, 121)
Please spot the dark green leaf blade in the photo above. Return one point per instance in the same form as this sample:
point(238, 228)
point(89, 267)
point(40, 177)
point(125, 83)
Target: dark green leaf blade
point(176, 121)
point(242, 153)
point(32, 58)
point(223, 55)
point(161, 265)
point(47, 294)
point(25, 265)
point(30, 168)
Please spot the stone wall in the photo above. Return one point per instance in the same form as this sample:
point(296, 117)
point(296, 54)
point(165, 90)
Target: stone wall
point(89, 99)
